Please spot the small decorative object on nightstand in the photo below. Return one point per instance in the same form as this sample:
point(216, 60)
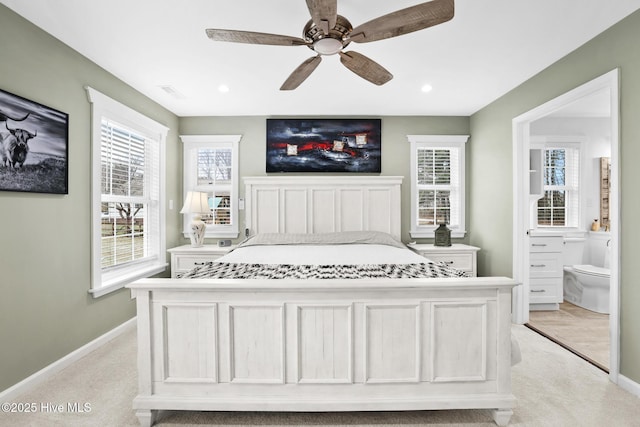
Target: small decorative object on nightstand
point(443, 236)
point(459, 256)
point(196, 203)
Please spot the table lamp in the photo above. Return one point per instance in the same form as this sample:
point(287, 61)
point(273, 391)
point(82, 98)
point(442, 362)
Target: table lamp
point(196, 203)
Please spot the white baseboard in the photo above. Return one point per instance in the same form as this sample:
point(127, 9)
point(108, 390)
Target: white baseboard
point(629, 385)
point(47, 372)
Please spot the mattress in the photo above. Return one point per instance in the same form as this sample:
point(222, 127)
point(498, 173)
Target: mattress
point(353, 255)
point(323, 254)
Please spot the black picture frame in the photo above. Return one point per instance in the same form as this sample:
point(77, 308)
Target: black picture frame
point(34, 146)
point(324, 145)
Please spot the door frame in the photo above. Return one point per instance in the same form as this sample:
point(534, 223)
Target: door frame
point(521, 145)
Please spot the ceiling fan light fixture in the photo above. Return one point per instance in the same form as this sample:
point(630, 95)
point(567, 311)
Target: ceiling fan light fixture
point(327, 46)
point(328, 33)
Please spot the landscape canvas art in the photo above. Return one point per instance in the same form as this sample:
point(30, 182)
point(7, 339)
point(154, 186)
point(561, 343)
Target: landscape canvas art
point(324, 145)
point(33, 146)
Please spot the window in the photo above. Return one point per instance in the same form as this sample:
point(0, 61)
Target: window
point(437, 184)
point(128, 237)
point(211, 166)
point(560, 202)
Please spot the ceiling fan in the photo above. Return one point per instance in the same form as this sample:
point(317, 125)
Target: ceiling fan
point(328, 33)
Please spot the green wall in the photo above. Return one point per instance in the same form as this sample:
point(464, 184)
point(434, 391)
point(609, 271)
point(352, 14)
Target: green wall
point(490, 157)
point(395, 147)
point(45, 310)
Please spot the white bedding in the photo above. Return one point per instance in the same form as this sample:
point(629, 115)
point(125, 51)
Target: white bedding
point(323, 254)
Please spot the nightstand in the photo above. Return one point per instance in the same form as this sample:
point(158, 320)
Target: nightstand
point(459, 256)
point(184, 258)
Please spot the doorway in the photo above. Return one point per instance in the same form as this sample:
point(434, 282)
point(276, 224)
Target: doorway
point(522, 137)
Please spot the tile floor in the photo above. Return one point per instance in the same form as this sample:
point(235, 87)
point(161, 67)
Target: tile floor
point(584, 332)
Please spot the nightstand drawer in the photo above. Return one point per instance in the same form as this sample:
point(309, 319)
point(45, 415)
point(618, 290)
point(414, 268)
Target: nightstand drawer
point(459, 261)
point(458, 255)
point(184, 258)
point(185, 263)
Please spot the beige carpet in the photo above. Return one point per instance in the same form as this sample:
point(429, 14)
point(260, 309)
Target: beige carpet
point(553, 388)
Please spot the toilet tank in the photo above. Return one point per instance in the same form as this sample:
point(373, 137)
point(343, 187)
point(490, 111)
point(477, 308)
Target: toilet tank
point(598, 248)
point(573, 252)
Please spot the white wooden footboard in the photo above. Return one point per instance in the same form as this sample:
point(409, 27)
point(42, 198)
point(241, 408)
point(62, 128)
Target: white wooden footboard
point(329, 345)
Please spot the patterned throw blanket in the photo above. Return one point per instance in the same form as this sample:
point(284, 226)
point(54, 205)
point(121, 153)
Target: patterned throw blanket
point(223, 270)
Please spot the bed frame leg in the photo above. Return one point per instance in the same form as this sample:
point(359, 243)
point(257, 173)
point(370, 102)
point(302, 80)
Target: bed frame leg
point(501, 416)
point(147, 417)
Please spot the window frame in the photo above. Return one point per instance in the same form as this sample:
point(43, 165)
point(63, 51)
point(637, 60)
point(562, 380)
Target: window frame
point(576, 210)
point(191, 143)
point(104, 107)
point(437, 142)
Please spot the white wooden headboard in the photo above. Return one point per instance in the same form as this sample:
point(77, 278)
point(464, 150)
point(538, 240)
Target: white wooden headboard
point(301, 204)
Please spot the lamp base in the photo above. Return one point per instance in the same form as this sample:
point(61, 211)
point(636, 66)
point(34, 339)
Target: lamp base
point(198, 228)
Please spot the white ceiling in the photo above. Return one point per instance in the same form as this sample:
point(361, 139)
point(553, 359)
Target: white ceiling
point(489, 47)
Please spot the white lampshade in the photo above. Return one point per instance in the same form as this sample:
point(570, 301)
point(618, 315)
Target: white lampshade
point(196, 202)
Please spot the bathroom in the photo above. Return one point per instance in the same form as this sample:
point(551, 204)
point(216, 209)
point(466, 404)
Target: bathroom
point(569, 225)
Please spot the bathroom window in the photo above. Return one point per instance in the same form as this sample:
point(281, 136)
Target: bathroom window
point(560, 203)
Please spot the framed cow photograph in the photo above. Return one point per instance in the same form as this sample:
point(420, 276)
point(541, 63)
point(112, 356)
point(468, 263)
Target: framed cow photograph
point(34, 144)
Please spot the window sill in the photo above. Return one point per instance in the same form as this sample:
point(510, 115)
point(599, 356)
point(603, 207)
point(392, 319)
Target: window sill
point(217, 235)
point(124, 279)
point(429, 234)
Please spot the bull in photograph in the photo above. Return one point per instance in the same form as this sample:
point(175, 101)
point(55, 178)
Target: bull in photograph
point(34, 142)
point(15, 147)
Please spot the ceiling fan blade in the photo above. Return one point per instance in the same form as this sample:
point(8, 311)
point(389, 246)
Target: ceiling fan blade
point(404, 21)
point(251, 37)
point(323, 13)
point(365, 67)
point(301, 73)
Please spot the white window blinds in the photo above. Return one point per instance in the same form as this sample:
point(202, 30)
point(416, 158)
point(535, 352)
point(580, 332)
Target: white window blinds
point(438, 186)
point(560, 204)
point(211, 166)
point(215, 174)
point(127, 191)
point(437, 183)
point(129, 196)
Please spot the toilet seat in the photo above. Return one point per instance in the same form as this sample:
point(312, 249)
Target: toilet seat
point(592, 270)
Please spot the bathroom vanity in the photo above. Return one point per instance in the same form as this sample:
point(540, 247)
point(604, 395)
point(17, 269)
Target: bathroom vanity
point(545, 271)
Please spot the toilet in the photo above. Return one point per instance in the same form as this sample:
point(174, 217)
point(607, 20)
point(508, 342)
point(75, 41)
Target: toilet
point(585, 285)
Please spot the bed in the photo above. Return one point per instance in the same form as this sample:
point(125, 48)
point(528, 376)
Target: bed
point(323, 310)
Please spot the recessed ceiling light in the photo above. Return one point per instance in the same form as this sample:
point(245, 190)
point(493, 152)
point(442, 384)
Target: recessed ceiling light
point(223, 88)
point(427, 88)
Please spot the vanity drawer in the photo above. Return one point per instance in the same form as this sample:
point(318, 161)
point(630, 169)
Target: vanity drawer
point(545, 265)
point(542, 291)
point(546, 244)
